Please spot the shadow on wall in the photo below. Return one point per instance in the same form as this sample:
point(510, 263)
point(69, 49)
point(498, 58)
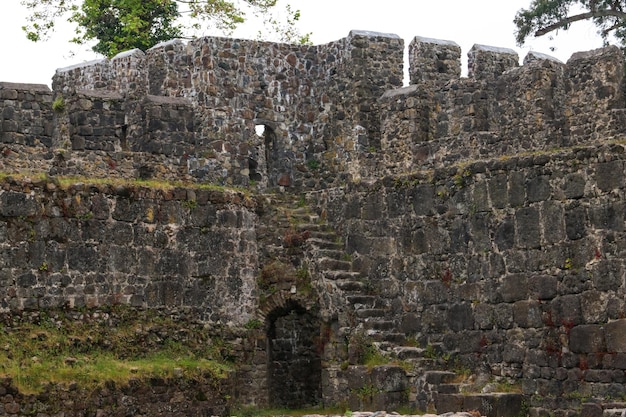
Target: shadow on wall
point(294, 366)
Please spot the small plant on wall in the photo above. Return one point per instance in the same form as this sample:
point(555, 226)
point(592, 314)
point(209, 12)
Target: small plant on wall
point(313, 164)
point(58, 105)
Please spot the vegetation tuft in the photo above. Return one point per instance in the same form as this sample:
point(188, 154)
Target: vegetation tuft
point(94, 347)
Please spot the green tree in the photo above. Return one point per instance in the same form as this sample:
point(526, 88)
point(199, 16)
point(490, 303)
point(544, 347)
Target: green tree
point(545, 16)
point(118, 25)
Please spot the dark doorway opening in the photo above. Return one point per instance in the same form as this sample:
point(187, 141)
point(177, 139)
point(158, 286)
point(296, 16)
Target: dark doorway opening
point(294, 368)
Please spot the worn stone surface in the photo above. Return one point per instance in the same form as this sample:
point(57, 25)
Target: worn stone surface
point(89, 246)
point(470, 221)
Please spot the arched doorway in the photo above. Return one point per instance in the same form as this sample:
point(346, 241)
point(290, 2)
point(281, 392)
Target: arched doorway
point(294, 366)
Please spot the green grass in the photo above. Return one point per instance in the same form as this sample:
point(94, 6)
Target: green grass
point(62, 351)
point(67, 181)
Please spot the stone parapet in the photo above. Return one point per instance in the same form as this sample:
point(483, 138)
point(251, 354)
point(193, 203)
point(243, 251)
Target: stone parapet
point(434, 60)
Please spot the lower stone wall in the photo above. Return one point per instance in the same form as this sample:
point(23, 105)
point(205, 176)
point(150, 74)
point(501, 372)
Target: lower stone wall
point(156, 398)
point(170, 392)
point(512, 267)
point(89, 245)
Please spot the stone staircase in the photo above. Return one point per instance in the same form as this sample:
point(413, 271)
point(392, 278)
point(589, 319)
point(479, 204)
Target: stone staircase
point(354, 296)
point(606, 409)
point(448, 393)
point(614, 410)
point(346, 294)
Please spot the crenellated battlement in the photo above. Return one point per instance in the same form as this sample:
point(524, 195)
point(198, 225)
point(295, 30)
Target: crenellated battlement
point(500, 108)
point(197, 107)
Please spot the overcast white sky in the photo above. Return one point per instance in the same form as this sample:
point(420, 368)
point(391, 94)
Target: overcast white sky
point(466, 22)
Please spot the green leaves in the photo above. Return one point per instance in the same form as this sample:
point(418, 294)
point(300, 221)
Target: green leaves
point(119, 25)
point(545, 16)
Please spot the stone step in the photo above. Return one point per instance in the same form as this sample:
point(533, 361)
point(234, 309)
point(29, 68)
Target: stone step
point(351, 285)
point(614, 412)
point(323, 234)
point(324, 243)
point(381, 336)
point(363, 300)
point(488, 405)
point(395, 338)
point(341, 275)
point(332, 254)
point(439, 377)
point(408, 352)
point(366, 313)
point(449, 388)
point(318, 227)
point(302, 216)
point(375, 323)
point(423, 363)
point(330, 264)
point(613, 404)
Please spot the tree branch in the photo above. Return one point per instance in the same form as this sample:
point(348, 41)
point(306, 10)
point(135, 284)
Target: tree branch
point(582, 16)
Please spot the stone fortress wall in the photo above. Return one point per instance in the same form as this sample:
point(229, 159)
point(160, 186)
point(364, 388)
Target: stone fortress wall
point(480, 218)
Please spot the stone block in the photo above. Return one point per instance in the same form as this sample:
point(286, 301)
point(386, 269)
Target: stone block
point(574, 186)
point(423, 199)
point(527, 314)
point(593, 305)
point(389, 378)
point(553, 225)
point(609, 216)
point(575, 222)
point(587, 338)
point(479, 231)
point(498, 191)
point(538, 188)
point(615, 332)
point(609, 175)
point(15, 204)
point(463, 342)
point(82, 258)
point(495, 405)
point(528, 223)
point(448, 403)
point(566, 310)
point(389, 400)
point(505, 234)
point(542, 287)
point(358, 377)
point(608, 275)
point(410, 323)
point(514, 288)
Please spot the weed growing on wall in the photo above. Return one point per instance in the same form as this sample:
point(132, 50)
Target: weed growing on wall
point(58, 105)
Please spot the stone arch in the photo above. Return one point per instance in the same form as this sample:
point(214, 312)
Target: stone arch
point(294, 368)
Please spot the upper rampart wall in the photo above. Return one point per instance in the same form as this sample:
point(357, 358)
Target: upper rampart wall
point(331, 113)
point(501, 108)
point(303, 95)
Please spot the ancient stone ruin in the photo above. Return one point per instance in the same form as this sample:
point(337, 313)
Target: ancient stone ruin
point(468, 232)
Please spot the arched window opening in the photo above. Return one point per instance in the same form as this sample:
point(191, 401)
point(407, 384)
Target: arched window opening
point(271, 151)
point(121, 132)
